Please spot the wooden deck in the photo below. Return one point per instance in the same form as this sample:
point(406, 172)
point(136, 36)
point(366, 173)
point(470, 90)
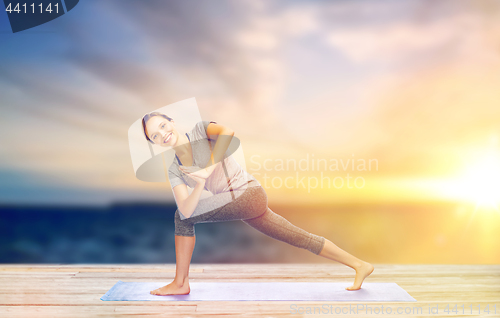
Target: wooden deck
point(75, 290)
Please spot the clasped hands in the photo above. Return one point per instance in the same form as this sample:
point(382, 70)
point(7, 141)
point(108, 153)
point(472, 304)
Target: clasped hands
point(197, 174)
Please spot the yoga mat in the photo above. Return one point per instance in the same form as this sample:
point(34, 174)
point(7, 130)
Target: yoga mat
point(262, 291)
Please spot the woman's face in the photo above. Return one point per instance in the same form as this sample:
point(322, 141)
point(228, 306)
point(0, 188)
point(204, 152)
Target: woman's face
point(162, 131)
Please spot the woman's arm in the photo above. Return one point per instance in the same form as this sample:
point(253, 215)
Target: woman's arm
point(186, 203)
point(223, 135)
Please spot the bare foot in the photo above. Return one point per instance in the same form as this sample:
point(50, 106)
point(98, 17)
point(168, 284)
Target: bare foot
point(172, 289)
point(361, 273)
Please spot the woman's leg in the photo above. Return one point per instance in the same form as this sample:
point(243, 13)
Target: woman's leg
point(275, 226)
point(249, 204)
point(184, 246)
point(362, 268)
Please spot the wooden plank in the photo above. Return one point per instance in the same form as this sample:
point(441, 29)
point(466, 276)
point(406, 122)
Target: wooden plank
point(93, 311)
point(93, 270)
point(336, 308)
point(57, 290)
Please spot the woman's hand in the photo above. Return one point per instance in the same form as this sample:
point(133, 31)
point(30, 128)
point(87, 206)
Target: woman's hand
point(192, 172)
point(198, 179)
point(196, 173)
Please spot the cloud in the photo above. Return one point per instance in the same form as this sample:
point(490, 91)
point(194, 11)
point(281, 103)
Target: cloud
point(450, 28)
point(261, 67)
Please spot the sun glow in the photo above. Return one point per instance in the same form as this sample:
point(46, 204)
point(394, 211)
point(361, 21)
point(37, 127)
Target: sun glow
point(481, 182)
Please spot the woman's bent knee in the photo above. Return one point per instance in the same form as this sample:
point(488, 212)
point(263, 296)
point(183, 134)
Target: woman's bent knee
point(184, 230)
point(183, 234)
point(183, 227)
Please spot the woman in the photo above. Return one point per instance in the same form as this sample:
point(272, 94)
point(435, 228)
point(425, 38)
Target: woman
point(250, 204)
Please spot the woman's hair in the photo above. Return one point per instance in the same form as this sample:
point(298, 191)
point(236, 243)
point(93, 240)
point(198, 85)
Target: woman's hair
point(148, 116)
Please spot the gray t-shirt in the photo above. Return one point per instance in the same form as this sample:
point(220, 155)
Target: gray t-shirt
point(227, 182)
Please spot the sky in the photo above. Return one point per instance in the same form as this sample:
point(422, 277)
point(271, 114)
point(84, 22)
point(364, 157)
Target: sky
point(411, 85)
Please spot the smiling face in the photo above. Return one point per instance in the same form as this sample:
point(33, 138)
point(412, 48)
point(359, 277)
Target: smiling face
point(162, 131)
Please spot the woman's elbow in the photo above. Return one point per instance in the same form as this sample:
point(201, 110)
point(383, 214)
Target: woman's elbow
point(186, 215)
point(228, 132)
point(183, 211)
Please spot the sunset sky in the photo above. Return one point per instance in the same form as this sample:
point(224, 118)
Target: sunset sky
point(414, 85)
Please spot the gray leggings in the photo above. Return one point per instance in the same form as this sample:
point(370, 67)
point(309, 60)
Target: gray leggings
point(251, 207)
